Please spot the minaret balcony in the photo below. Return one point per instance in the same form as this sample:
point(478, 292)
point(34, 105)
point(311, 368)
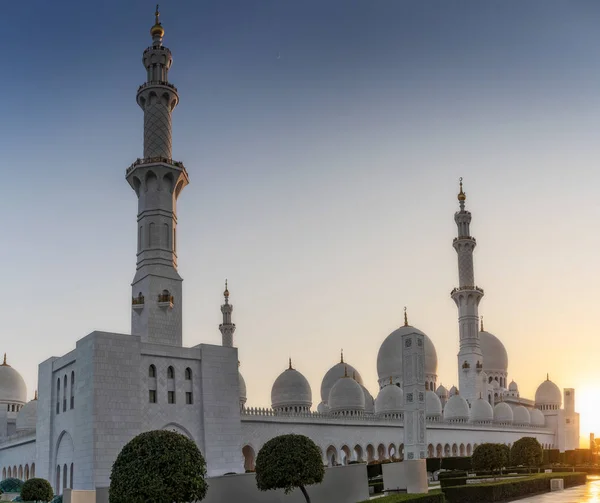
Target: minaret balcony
point(165, 301)
point(155, 160)
point(467, 287)
point(157, 83)
point(137, 303)
point(465, 238)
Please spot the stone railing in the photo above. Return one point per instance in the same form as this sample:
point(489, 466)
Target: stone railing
point(150, 160)
point(462, 238)
point(466, 287)
point(157, 83)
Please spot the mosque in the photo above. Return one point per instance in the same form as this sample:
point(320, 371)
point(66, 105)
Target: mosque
point(111, 387)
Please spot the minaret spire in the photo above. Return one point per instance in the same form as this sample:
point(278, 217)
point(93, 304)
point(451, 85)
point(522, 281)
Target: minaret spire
point(157, 181)
point(227, 328)
point(467, 297)
point(405, 317)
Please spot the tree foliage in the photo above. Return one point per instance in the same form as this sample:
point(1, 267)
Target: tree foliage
point(490, 457)
point(526, 451)
point(37, 490)
point(289, 461)
point(158, 467)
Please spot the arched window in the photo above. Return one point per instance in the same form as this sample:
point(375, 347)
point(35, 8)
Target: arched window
point(65, 480)
point(152, 371)
point(188, 374)
point(58, 396)
point(57, 488)
point(21, 472)
point(9, 472)
point(71, 478)
point(171, 373)
point(72, 389)
point(26, 472)
point(3, 473)
point(32, 470)
point(65, 394)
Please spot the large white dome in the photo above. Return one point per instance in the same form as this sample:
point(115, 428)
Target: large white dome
point(548, 394)
point(390, 400)
point(537, 418)
point(456, 409)
point(433, 405)
point(521, 415)
point(495, 357)
point(333, 374)
point(27, 416)
point(481, 411)
point(12, 385)
point(389, 358)
point(242, 384)
point(346, 395)
point(503, 413)
point(291, 389)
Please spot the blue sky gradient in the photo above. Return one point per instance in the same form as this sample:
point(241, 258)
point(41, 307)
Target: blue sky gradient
point(324, 141)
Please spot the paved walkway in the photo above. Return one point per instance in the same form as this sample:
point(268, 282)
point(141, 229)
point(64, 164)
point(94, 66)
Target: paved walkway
point(589, 493)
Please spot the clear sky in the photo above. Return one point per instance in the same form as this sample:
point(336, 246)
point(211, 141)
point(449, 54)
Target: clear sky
point(324, 141)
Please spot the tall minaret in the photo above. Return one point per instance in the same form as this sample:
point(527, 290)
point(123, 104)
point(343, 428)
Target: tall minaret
point(227, 328)
point(157, 180)
point(467, 297)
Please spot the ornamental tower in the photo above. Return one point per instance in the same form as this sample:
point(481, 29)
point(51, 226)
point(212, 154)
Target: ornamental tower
point(157, 181)
point(227, 328)
point(467, 297)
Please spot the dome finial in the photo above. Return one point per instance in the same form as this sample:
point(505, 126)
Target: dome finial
point(547, 375)
point(405, 317)
point(481, 330)
point(4, 364)
point(226, 292)
point(157, 29)
point(290, 367)
point(461, 195)
point(342, 356)
point(35, 396)
point(391, 382)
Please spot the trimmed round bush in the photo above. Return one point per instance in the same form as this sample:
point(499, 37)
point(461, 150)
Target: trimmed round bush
point(11, 485)
point(289, 461)
point(492, 457)
point(160, 467)
point(37, 490)
point(526, 451)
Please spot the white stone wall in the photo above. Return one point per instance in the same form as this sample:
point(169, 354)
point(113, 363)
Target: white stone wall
point(20, 453)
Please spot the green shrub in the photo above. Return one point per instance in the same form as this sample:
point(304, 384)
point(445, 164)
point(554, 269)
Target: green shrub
point(492, 457)
point(374, 471)
point(457, 463)
point(526, 451)
point(37, 490)
point(289, 461)
point(452, 474)
point(432, 497)
point(159, 466)
point(453, 481)
point(433, 464)
point(509, 489)
point(11, 485)
point(553, 455)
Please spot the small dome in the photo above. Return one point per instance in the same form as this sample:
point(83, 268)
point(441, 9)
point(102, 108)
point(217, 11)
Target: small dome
point(548, 394)
point(390, 400)
point(335, 373)
point(369, 402)
point(291, 389)
point(389, 358)
point(433, 405)
point(346, 395)
point(322, 408)
point(521, 415)
point(495, 357)
point(27, 416)
point(453, 391)
point(441, 391)
point(537, 418)
point(481, 411)
point(242, 385)
point(12, 385)
point(513, 387)
point(503, 413)
point(457, 409)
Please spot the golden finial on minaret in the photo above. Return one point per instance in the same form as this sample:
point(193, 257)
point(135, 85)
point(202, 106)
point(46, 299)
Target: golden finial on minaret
point(481, 320)
point(461, 195)
point(391, 382)
point(290, 367)
point(157, 29)
point(226, 292)
point(405, 317)
point(342, 356)
point(547, 375)
point(4, 364)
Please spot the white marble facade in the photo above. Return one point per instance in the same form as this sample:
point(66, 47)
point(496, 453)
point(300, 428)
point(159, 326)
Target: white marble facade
point(111, 387)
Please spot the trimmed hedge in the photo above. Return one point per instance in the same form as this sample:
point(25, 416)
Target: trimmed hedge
point(510, 489)
point(457, 463)
point(432, 497)
point(433, 464)
point(374, 471)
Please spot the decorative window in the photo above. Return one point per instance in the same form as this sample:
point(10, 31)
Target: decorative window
point(152, 397)
point(188, 374)
point(189, 398)
point(71, 478)
point(170, 373)
point(420, 342)
point(72, 389)
point(58, 396)
point(421, 397)
point(65, 394)
point(408, 343)
point(409, 397)
point(171, 396)
point(152, 371)
point(65, 477)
